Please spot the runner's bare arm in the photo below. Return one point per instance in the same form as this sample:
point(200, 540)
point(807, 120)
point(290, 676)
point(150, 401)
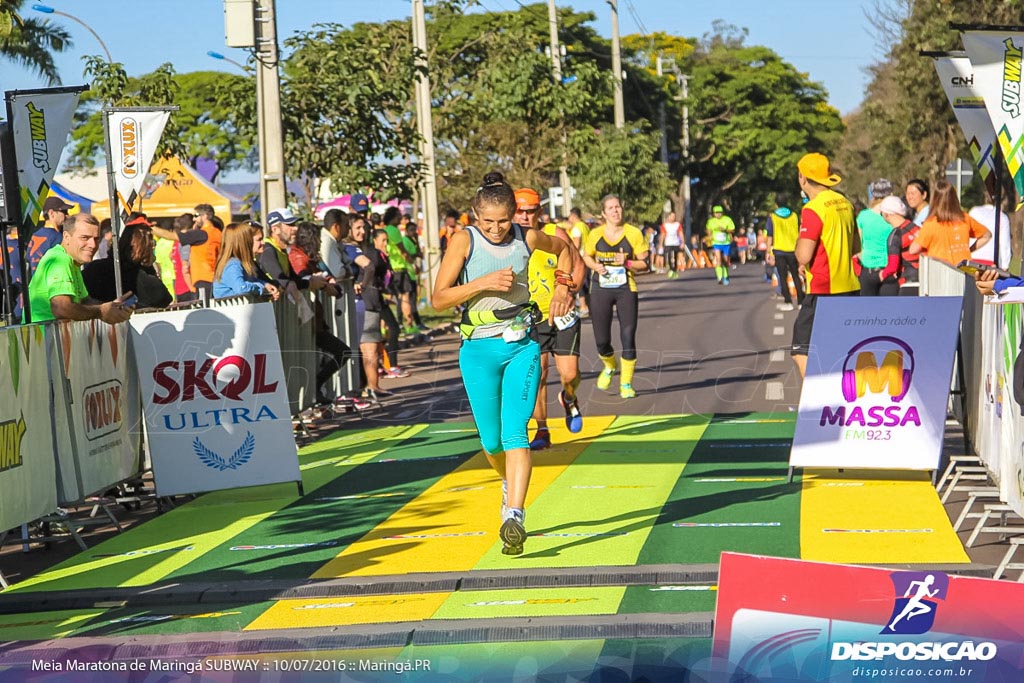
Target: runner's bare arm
point(578, 271)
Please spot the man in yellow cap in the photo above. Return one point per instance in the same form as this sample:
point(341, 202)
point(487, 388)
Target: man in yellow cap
point(560, 337)
point(825, 248)
point(720, 229)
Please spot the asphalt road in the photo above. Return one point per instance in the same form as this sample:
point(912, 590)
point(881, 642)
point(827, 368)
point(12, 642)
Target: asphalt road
point(703, 348)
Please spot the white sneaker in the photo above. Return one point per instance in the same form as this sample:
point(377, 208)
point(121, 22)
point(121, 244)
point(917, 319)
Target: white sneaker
point(786, 307)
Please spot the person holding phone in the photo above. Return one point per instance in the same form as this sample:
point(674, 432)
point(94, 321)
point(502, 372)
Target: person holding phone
point(58, 292)
point(992, 281)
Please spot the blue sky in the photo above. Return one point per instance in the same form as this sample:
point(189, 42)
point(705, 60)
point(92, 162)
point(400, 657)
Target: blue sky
point(145, 33)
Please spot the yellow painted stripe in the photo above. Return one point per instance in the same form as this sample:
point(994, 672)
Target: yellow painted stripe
point(348, 611)
point(451, 525)
point(875, 518)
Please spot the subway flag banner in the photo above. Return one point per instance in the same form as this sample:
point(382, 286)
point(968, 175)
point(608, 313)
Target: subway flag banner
point(214, 398)
point(964, 94)
point(41, 121)
point(996, 58)
point(793, 620)
point(878, 378)
point(134, 135)
point(27, 468)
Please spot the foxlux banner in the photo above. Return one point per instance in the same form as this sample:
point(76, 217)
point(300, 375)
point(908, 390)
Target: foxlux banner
point(878, 378)
point(964, 95)
point(134, 135)
point(996, 58)
point(41, 121)
point(214, 398)
point(782, 619)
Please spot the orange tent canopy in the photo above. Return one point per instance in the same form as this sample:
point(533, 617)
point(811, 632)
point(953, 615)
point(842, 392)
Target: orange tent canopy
point(180, 189)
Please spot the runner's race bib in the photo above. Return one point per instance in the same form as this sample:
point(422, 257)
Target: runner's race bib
point(721, 237)
point(566, 321)
point(615, 276)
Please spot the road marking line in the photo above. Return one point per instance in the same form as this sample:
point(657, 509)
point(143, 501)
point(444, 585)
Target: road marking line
point(777, 356)
point(779, 316)
point(774, 391)
point(779, 331)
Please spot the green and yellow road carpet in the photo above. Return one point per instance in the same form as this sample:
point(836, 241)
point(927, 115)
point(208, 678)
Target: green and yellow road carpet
point(398, 505)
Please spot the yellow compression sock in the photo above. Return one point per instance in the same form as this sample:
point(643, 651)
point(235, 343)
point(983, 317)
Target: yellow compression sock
point(609, 362)
point(627, 371)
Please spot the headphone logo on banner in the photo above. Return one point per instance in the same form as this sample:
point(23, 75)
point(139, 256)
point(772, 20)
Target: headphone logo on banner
point(893, 375)
point(886, 368)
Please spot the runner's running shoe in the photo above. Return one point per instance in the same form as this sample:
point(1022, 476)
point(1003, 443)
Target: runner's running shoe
point(573, 417)
point(604, 380)
point(396, 373)
point(627, 391)
point(542, 440)
point(513, 533)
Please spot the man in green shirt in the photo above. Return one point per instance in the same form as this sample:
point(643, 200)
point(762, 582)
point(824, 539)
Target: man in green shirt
point(57, 291)
point(720, 229)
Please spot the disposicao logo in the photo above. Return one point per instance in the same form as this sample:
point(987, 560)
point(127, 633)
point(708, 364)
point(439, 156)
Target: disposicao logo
point(863, 374)
point(917, 598)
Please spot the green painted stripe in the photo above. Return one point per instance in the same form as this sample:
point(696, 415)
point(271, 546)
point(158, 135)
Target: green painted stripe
point(729, 449)
point(531, 602)
point(165, 544)
point(601, 509)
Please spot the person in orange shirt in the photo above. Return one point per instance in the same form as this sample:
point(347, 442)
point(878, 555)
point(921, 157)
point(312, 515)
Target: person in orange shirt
point(948, 232)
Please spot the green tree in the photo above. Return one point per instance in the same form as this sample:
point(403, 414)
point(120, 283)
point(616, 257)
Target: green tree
point(203, 127)
point(346, 96)
point(609, 161)
point(752, 116)
point(31, 42)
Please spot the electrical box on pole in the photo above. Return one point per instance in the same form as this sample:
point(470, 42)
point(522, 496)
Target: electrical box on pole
point(239, 23)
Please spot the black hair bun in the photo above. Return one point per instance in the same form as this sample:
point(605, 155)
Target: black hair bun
point(493, 178)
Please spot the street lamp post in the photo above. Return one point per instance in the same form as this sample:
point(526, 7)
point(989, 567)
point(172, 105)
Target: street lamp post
point(45, 9)
point(259, 134)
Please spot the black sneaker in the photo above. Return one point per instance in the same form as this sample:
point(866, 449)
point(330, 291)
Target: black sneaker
point(513, 535)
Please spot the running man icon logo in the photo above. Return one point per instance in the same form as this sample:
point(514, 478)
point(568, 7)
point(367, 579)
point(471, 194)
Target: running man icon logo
point(893, 375)
point(917, 596)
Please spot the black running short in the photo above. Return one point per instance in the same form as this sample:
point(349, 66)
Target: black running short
point(559, 342)
point(805, 323)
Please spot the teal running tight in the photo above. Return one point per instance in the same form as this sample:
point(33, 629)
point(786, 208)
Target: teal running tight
point(501, 380)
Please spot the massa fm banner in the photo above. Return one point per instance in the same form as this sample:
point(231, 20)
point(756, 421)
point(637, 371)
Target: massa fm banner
point(957, 77)
point(782, 619)
point(215, 400)
point(996, 58)
point(41, 121)
point(878, 378)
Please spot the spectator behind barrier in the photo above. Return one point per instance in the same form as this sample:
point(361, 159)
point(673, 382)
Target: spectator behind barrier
point(236, 271)
point(305, 260)
point(203, 257)
point(135, 249)
point(58, 292)
point(948, 231)
point(55, 213)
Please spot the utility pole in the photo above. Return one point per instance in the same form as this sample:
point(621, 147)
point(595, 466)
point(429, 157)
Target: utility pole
point(620, 109)
point(684, 82)
point(425, 126)
point(556, 72)
point(661, 117)
point(273, 189)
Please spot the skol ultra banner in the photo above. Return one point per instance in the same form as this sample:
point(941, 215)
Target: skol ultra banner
point(878, 378)
point(133, 136)
point(215, 400)
point(780, 619)
point(957, 77)
point(27, 469)
point(41, 121)
point(996, 58)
